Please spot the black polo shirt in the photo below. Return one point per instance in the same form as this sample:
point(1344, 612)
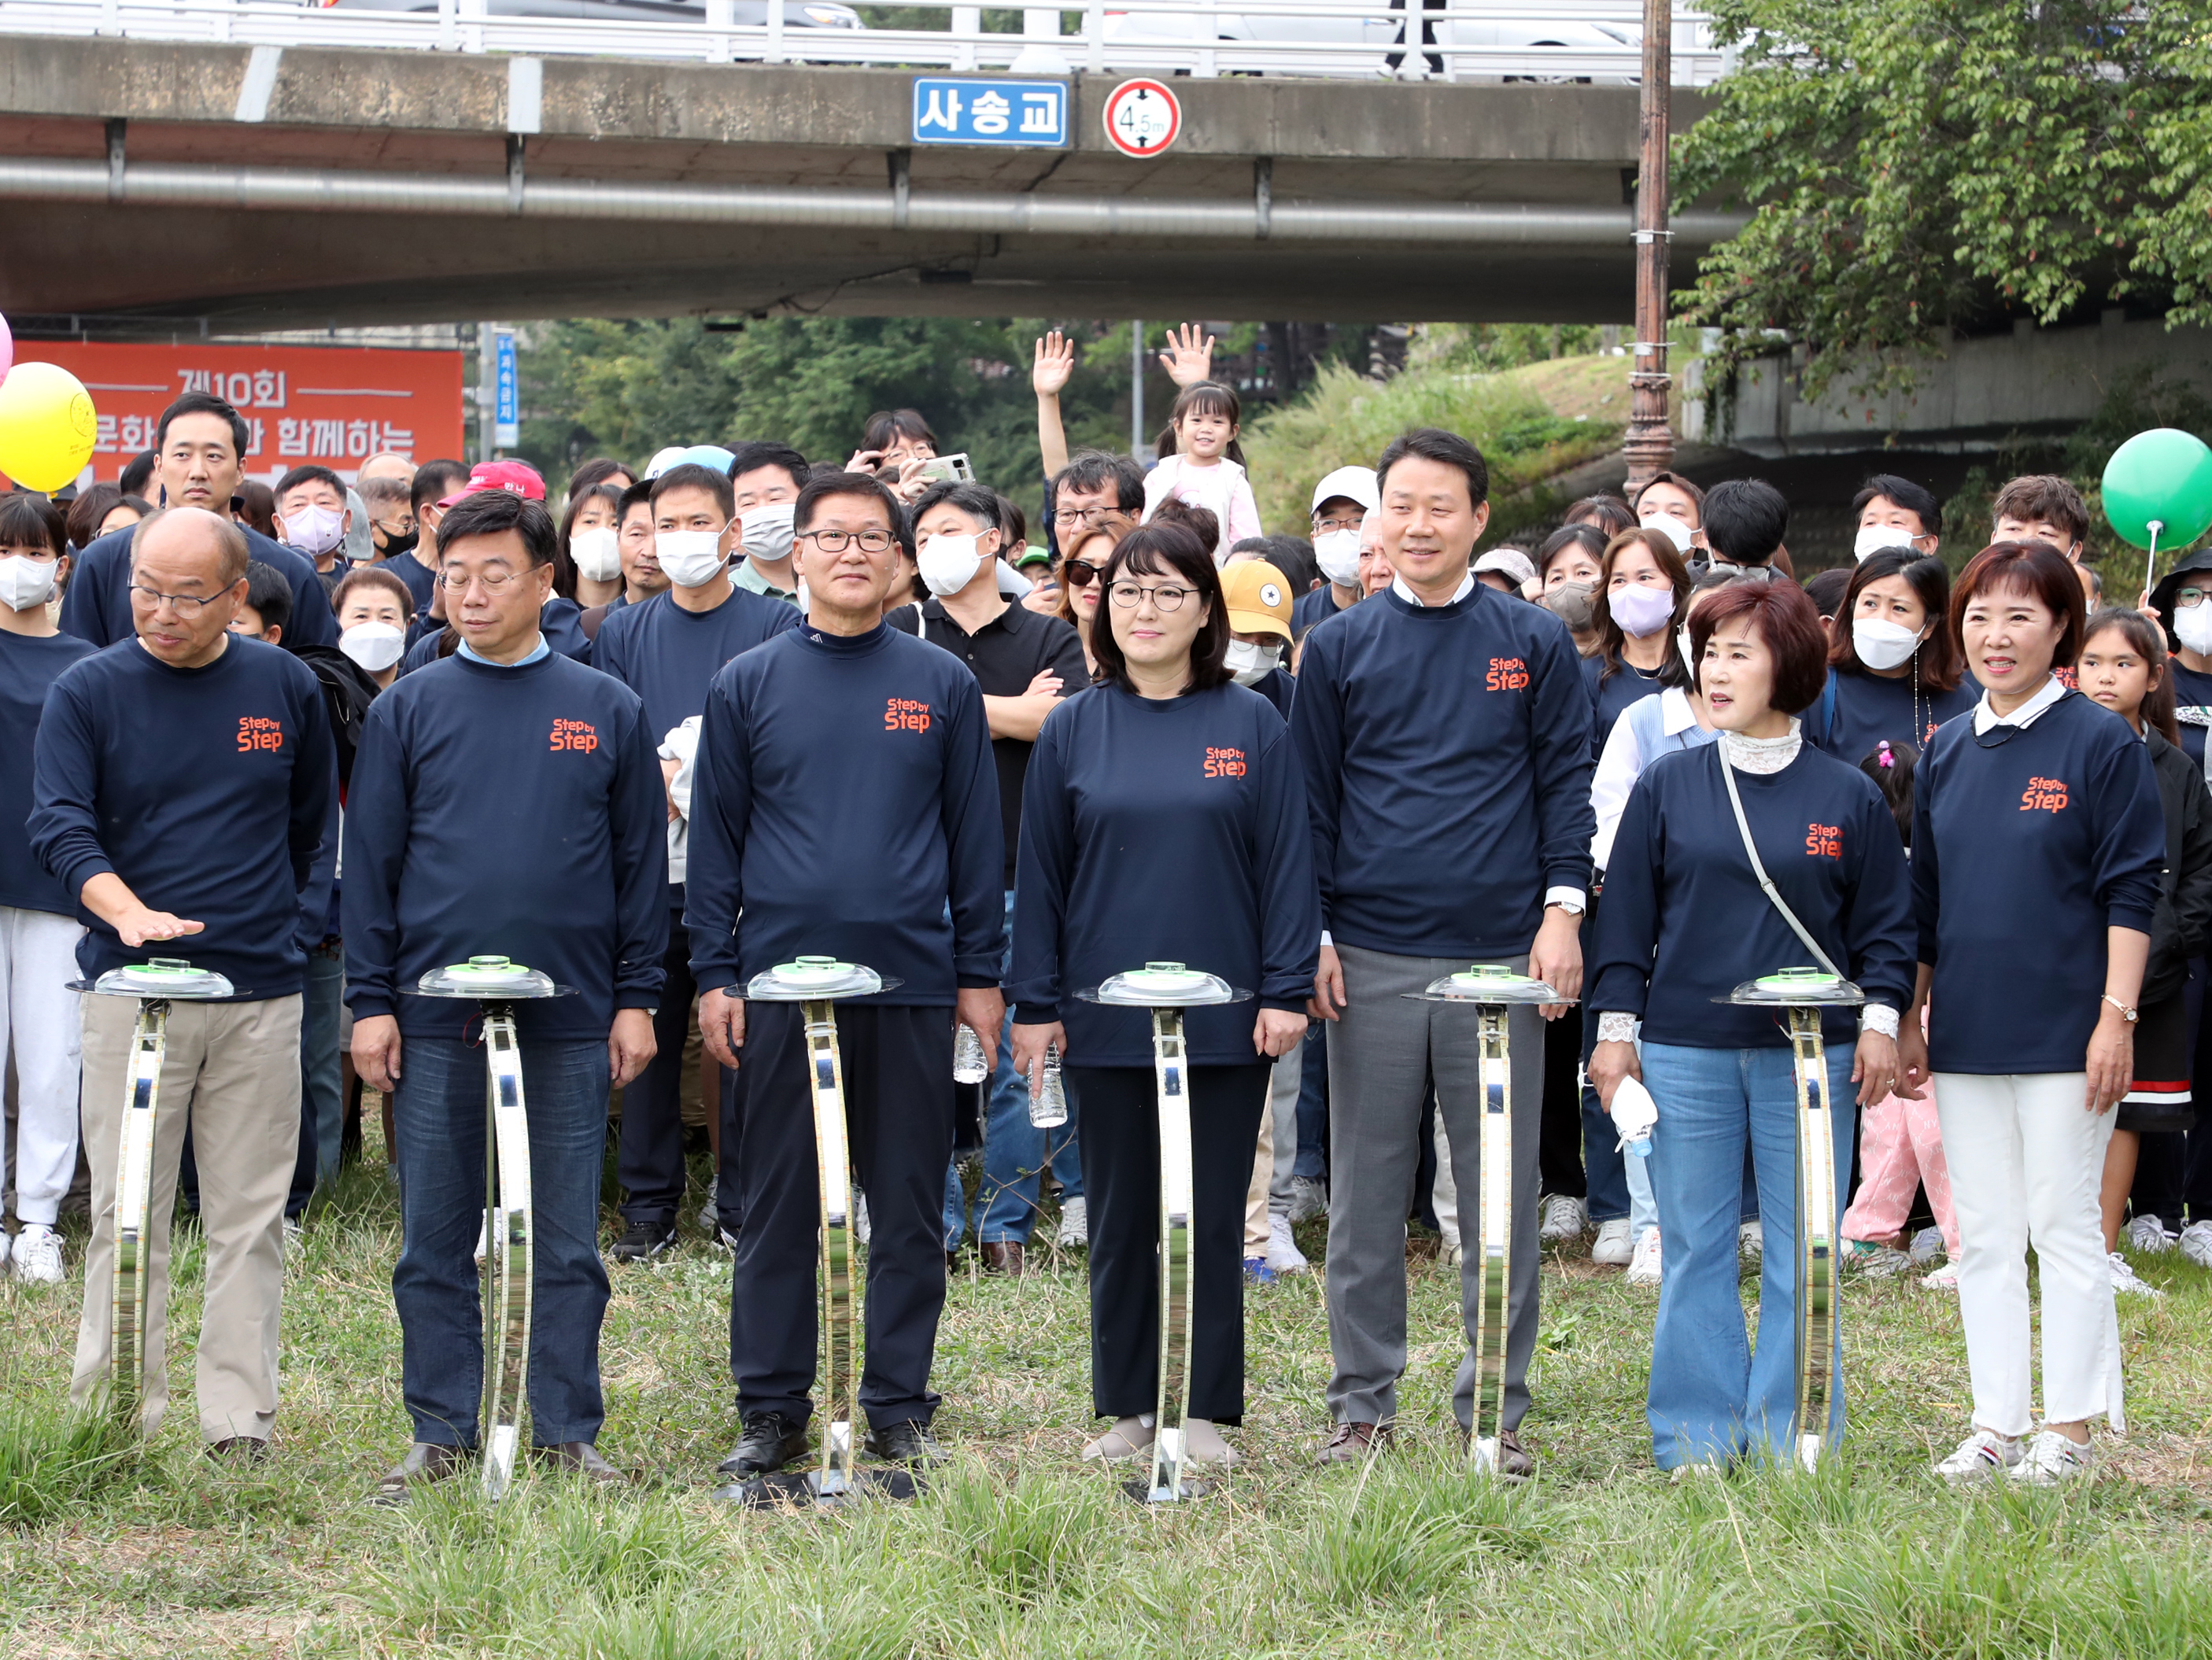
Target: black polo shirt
point(1005, 654)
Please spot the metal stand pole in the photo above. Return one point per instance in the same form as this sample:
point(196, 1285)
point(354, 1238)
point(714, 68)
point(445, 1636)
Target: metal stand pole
point(509, 1257)
point(1816, 1233)
point(134, 1184)
point(840, 1293)
point(1493, 1309)
point(1172, 1079)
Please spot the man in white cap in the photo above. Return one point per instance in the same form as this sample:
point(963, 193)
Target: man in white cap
point(1340, 501)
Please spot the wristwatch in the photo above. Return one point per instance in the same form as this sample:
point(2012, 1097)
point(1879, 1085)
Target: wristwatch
point(1572, 907)
point(2126, 1014)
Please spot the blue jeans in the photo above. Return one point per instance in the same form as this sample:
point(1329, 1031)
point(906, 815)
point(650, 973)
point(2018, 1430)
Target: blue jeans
point(1015, 1151)
point(438, 1114)
point(1712, 1397)
point(322, 1111)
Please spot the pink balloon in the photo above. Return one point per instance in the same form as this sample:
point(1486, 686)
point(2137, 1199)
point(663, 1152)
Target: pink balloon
point(7, 347)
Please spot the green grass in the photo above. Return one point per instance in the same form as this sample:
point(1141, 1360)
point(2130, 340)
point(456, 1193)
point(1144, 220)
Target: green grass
point(1019, 1549)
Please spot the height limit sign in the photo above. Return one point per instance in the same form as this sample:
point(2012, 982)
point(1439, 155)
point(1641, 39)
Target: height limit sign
point(1142, 118)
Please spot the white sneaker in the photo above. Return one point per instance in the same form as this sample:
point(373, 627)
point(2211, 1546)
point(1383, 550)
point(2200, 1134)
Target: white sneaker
point(1751, 1241)
point(2196, 1243)
point(1283, 1253)
point(1983, 1454)
point(295, 1236)
point(1874, 1261)
point(1945, 1278)
point(2149, 1235)
point(2051, 1458)
point(38, 1254)
point(1309, 1198)
point(5, 1245)
point(860, 1228)
point(1074, 1226)
point(1927, 1246)
point(1562, 1217)
point(2125, 1282)
point(483, 1240)
point(1644, 1266)
point(1613, 1247)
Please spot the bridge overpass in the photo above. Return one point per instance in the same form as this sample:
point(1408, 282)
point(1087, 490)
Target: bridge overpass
point(260, 182)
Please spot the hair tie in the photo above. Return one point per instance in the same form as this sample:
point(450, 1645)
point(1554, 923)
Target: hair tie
point(1886, 758)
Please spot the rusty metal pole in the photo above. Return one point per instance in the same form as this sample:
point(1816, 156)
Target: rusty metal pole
point(1650, 445)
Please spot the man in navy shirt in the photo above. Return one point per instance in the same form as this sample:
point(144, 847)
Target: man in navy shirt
point(668, 651)
point(846, 802)
point(182, 785)
point(1445, 733)
point(505, 800)
point(201, 446)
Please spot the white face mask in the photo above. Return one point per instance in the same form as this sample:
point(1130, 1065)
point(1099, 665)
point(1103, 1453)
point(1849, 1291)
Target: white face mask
point(948, 564)
point(315, 530)
point(1337, 553)
point(689, 559)
point(26, 582)
point(1882, 644)
point(597, 552)
point(1873, 538)
point(1682, 645)
point(1250, 662)
point(1673, 529)
point(374, 646)
point(1640, 610)
point(768, 530)
point(2192, 625)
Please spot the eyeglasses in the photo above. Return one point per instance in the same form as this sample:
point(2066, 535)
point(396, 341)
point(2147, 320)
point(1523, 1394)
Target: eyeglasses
point(397, 528)
point(1078, 573)
point(1083, 515)
point(2189, 598)
point(836, 541)
point(186, 605)
point(493, 582)
point(1324, 526)
point(1167, 595)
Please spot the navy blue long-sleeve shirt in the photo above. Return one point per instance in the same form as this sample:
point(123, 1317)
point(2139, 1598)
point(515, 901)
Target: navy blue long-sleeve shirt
point(515, 811)
point(669, 655)
point(561, 621)
point(207, 790)
point(1610, 694)
point(1869, 708)
point(1446, 752)
point(97, 606)
point(1163, 830)
point(845, 792)
point(29, 665)
point(2024, 853)
point(1684, 921)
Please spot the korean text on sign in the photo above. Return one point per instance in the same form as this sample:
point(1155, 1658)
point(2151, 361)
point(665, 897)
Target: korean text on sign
point(1030, 114)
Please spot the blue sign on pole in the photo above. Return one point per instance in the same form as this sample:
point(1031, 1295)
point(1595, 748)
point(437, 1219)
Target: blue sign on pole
point(506, 410)
point(1020, 114)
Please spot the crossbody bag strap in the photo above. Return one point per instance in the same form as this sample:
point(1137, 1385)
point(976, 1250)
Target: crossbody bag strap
point(1757, 870)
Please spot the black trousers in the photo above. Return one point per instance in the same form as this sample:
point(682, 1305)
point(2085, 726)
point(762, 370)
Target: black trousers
point(897, 1069)
point(1559, 1145)
point(1120, 1150)
point(649, 1161)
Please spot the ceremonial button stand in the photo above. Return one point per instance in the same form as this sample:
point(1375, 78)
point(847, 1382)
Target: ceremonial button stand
point(1167, 989)
point(495, 985)
point(1494, 990)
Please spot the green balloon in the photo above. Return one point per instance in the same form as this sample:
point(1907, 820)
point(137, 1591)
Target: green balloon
point(2163, 475)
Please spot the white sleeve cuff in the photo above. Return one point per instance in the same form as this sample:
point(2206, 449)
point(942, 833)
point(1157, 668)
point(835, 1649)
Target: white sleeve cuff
point(1879, 1017)
point(1614, 1026)
point(1325, 939)
point(1578, 897)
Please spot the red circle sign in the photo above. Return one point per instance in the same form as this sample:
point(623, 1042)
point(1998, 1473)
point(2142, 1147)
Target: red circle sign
point(1142, 118)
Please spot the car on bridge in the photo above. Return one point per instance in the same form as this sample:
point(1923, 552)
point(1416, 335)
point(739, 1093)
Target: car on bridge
point(1307, 29)
point(744, 13)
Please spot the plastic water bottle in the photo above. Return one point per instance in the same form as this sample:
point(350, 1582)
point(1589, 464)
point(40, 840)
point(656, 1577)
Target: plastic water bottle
point(1048, 1106)
point(970, 1063)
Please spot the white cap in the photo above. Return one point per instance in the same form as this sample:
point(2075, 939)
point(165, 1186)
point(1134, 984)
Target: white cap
point(1353, 483)
point(1508, 561)
point(663, 460)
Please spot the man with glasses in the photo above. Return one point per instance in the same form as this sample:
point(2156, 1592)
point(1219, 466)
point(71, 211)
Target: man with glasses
point(1096, 490)
point(846, 802)
point(184, 783)
point(505, 800)
point(1341, 502)
point(668, 651)
point(201, 448)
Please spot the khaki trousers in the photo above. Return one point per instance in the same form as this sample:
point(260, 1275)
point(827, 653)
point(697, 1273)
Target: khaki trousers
point(234, 1069)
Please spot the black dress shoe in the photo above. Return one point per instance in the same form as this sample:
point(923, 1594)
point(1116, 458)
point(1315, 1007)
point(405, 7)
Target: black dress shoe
point(580, 1459)
point(239, 1449)
point(642, 1241)
point(1004, 1257)
point(769, 1442)
point(425, 1462)
point(909, 1443)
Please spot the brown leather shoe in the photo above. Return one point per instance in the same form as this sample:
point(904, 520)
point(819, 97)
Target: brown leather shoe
point(1004, 1257)
point(1514, 1461)
point(239, 1449)
point(1348, 1444)
point(580, 1459)
point(425, 1462)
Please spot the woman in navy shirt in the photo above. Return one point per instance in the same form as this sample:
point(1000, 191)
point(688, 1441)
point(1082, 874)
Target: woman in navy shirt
point(1164, 818)
point(1684, 922)
point(1640, 586)
point(1894, 672)
point(2039, 845)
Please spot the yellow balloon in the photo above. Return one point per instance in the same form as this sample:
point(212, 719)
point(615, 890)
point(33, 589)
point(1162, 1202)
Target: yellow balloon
point(46, 426)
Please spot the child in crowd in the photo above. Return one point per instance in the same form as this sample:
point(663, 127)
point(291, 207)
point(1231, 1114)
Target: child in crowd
point(1900, 1141)
point(1201, 462)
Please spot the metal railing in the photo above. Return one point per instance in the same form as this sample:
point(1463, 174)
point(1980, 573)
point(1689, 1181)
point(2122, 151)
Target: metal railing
point(1460, 40)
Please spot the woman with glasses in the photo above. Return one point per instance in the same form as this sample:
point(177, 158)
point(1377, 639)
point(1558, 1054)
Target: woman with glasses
point(1164, 818)
point(2039, 845)
point(1893, 670)
point(1086, 552)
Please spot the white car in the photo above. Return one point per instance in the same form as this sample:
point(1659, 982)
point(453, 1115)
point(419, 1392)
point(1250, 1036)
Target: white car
point(1303, 26)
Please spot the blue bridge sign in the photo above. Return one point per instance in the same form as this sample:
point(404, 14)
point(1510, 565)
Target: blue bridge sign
point(1018, 114)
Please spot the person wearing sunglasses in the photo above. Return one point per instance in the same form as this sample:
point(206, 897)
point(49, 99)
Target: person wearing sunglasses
point(1163, 819)
point(2038, 849)
point(1088, 550)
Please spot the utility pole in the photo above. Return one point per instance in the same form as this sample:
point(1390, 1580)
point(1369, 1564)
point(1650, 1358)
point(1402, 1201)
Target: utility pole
point(1137, 389)
point(1650, 445)
point(488, 389)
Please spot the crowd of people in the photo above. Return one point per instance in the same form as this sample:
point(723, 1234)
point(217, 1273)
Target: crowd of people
point(735, 707)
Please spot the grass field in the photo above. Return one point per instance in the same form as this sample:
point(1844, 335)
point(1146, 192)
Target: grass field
point(1020, 1550)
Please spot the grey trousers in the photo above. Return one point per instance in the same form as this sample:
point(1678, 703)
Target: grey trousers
point(1383, 1054)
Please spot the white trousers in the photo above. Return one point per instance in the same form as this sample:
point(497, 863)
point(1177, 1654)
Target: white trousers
point(2025, 1160)
point(38, 1021)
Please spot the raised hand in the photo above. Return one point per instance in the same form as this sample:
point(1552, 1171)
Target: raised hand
point(1189, 356)
point(1055, 362)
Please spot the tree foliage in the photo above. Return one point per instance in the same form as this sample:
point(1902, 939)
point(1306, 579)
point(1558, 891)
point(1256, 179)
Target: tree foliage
point(1913, 166)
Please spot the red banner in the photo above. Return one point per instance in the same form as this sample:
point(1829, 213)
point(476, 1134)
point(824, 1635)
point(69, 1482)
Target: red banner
point(337, 406)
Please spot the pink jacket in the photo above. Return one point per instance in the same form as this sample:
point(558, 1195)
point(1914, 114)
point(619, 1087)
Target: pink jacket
point(1222, 489)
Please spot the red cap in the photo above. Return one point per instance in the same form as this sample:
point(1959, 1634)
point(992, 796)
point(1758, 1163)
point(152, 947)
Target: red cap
point(514, 476)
